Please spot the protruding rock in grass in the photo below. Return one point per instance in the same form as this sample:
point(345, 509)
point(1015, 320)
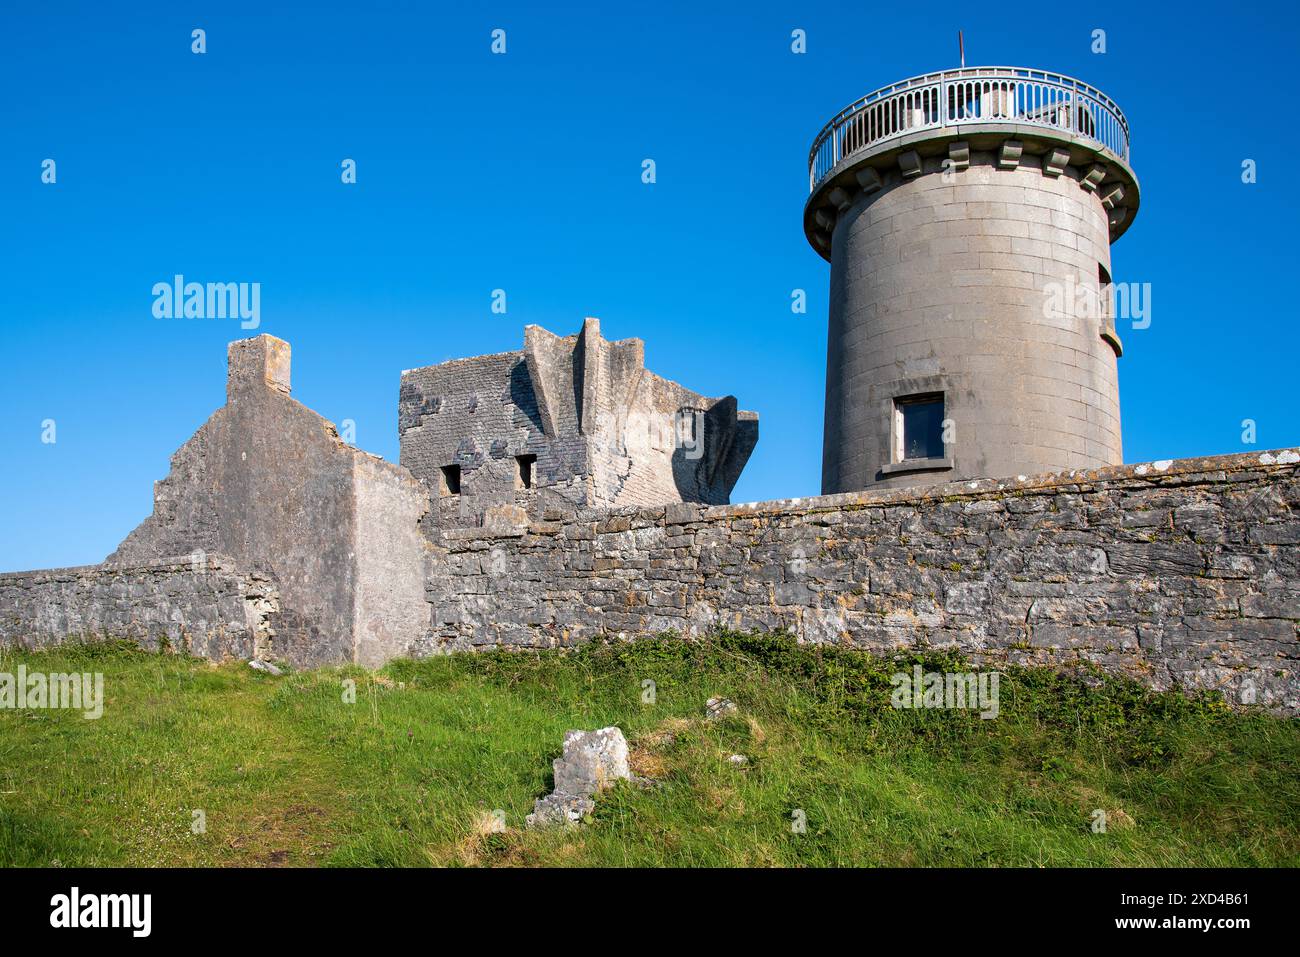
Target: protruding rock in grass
point(592, 761)
point(719, 707)
point(560, 809)
point(259, 665)
point(739, 760)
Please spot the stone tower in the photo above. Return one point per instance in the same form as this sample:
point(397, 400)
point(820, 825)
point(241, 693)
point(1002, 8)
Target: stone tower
point(967, 216)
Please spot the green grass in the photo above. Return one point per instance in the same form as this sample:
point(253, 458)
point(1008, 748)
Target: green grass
point(286, 772)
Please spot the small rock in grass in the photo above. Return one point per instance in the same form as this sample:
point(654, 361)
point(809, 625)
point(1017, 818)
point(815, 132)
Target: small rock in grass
point(739, 760)
point(717, 707)
point(592, 761)
point(559, 808)
point(266, 666)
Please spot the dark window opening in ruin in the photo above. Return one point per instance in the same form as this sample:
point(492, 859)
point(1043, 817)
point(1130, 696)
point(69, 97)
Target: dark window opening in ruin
point(525, 477)
point(450, 484)
point(918, 427)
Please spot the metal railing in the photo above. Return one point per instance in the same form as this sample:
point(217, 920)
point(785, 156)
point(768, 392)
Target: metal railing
point(969, 95)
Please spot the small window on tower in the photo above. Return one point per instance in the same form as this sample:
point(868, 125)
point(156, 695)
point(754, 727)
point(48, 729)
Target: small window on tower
point(450, 484)
point(918, 427)
point(525, 476)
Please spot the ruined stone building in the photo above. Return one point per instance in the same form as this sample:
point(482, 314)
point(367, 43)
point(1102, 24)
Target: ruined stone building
point(576, 419)
point(337, 541)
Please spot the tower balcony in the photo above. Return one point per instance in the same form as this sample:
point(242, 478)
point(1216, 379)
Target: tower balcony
point(890, 132)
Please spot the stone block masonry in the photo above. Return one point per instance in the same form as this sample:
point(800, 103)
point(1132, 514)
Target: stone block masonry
point(202, 605)
point(938, 286)
point(1180, 574)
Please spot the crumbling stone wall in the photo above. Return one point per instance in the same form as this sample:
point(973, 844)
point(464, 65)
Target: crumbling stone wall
point(1178, 573)
point(269, 482)
point(203, 605)
point(601, 429)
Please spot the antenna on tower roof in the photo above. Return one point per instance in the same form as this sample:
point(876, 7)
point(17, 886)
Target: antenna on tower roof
point(961, 48)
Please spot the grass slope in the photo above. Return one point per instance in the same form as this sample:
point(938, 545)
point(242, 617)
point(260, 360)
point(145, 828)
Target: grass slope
point(286, 772)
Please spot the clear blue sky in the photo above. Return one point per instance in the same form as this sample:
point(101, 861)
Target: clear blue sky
point(523, 172)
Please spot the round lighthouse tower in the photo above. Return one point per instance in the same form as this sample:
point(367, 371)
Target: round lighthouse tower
point(967, 216)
